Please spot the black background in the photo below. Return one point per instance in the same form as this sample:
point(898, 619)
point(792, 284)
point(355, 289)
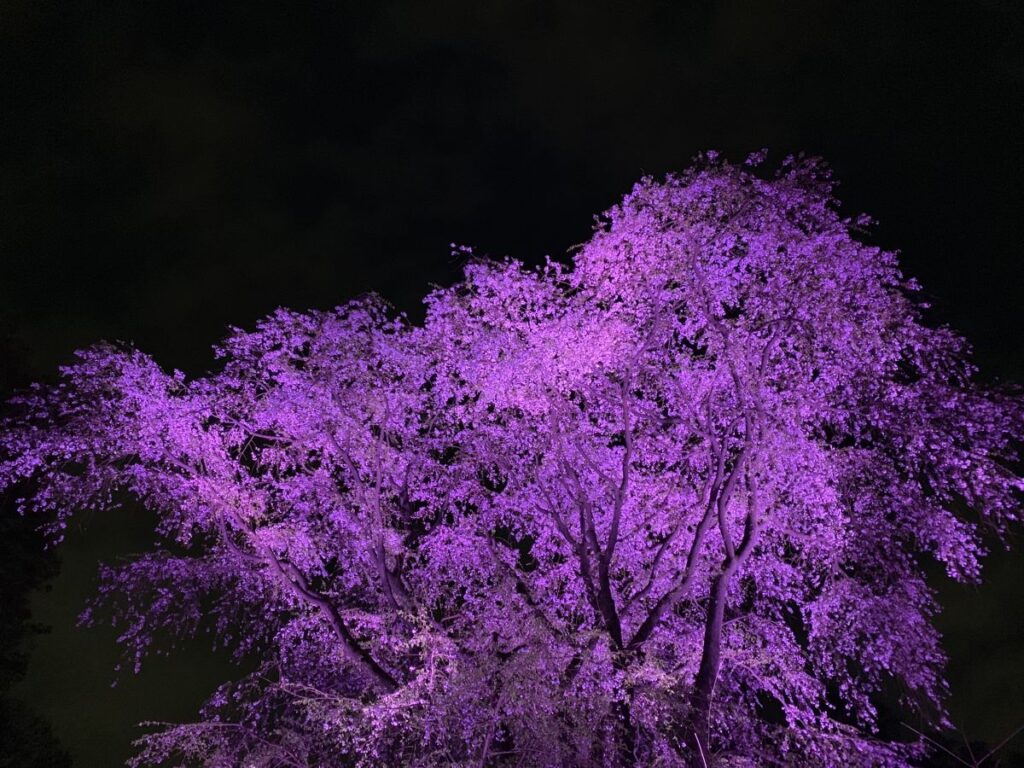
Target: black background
point(167, 169)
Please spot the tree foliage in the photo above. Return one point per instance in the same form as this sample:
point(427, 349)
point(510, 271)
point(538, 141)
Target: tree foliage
point(24, 566)
point(666, 505)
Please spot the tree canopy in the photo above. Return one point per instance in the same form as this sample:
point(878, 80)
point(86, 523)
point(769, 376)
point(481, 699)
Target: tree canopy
point(668, 504)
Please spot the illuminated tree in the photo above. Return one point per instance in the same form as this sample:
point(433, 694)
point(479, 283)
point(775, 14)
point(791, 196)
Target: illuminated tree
point(664, 506)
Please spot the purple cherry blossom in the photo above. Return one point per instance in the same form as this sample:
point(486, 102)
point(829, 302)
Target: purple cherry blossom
point(666, 505)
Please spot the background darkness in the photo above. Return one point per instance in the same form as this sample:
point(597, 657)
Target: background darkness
point(167, 169)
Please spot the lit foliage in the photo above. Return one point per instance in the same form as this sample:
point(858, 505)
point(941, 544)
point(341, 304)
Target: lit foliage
point(663, 506)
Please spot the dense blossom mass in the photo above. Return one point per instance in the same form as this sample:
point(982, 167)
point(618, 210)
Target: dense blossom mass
point(666, 505)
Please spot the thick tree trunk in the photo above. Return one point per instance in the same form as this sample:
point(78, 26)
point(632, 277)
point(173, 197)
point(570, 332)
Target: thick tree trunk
point(625, 740)
point(707, 674)
point(622, 714)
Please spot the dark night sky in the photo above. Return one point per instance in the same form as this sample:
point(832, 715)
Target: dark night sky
point(167, 169)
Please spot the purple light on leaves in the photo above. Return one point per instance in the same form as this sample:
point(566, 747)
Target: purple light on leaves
point(663, 505)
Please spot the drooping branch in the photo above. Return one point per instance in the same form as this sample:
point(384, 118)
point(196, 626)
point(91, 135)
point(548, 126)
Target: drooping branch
point(354, 651)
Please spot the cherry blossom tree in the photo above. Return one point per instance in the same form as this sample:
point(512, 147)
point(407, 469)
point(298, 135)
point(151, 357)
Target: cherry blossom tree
point(666, 505)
